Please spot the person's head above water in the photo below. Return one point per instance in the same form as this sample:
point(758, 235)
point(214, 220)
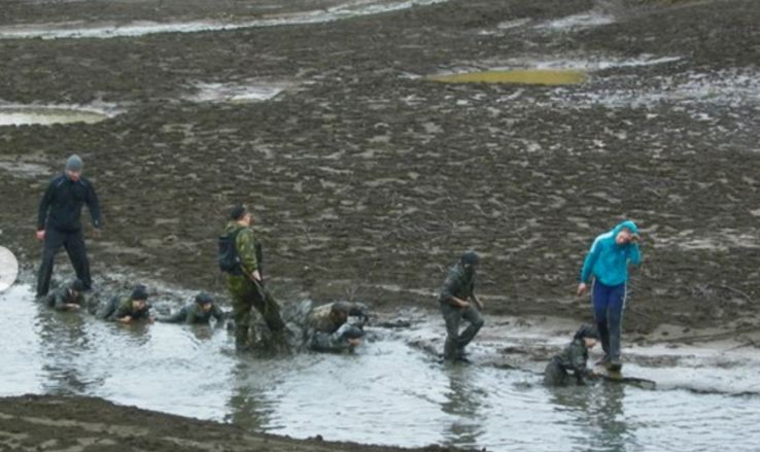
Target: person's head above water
point(588, 334)
point(77, 286)
point(205, 301)
point(139, 297)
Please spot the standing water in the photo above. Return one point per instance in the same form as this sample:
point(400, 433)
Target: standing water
point(27, 115)
point(387, 393)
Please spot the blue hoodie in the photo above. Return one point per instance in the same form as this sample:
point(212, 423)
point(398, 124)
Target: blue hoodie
point(608, 261)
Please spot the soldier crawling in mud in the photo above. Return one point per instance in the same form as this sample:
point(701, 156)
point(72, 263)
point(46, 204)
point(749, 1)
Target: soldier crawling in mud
point(69, 297)
point(128, 309)
point(199, 311)
point(328, 329)
point(239, 259)
point(572, 359)
point(458, 288)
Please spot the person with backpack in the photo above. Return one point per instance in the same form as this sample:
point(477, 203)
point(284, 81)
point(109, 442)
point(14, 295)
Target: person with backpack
point(239, 261)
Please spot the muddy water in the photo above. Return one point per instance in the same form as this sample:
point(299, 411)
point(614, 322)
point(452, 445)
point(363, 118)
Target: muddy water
point(389, 392)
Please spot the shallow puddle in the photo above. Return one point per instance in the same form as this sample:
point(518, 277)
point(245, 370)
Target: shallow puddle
point(80, 29)
point(578, 21)
point(243, 93)
point(27, 115)
point(549, 77)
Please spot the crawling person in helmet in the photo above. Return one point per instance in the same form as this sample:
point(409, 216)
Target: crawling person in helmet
point(128, 309)
point(199, 311)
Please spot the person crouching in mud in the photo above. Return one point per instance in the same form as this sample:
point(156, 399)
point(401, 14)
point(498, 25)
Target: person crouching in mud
point(572, 359)
point(458, 288)
point(128, 309)
point(70, 297)
point(328, 330)
point(607, 262)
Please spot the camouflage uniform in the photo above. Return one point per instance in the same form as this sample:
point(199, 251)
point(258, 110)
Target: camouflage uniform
point(247, 293)
point(116, 309)
point(460, 285)
point(325, 334)
point(572, 359)
point(61, 297)
point(193, 314)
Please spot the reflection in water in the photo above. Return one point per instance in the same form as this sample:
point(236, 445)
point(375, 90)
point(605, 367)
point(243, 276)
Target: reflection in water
point(462, 403)
point(62, 341)
point(246, 406)
point(597, 411)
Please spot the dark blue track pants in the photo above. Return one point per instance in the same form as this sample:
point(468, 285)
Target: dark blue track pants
point(608, 303)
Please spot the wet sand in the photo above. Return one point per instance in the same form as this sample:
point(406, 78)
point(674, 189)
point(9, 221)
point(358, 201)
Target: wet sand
point(368, 181)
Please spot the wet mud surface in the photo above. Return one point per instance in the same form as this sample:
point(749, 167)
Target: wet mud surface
point(368, 181)
point(77, 424)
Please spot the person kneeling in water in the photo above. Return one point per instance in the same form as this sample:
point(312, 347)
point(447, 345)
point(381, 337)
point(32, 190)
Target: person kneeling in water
point(572, 359)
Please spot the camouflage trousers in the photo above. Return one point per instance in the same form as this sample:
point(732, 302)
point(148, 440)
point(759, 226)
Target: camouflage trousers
point(247, 295)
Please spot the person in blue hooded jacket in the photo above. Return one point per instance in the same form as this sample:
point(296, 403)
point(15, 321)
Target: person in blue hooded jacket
point(607, 262)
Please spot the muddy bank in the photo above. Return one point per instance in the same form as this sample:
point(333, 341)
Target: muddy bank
point(78, 424)
point(368, 181)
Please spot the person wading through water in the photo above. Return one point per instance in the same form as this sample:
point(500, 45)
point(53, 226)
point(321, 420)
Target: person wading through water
point(458, 288)
point(239, 259)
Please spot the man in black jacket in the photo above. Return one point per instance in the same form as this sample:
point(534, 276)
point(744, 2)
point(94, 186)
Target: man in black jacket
point(58, 222)
point(458, 301)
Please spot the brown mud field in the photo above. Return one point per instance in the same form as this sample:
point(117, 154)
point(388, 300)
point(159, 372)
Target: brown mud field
point(367, 180)
point(74, 424)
